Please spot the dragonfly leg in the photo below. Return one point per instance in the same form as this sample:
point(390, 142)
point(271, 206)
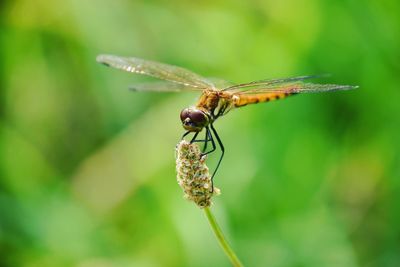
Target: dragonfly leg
point(206, 139)
point(194, 140)
point(221, 111)
point(194, 137)
point(220, 159)
point(185, 134)
point(209, 138)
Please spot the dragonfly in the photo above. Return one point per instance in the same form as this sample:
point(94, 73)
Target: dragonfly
point(217, 97)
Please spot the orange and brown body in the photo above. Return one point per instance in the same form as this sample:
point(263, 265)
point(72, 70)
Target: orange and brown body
point(222, 101)
point(244, 99)
point(209, 100)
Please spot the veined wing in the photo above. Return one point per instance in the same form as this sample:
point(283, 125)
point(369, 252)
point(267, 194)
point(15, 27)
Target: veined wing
point(265, 91)
point(287, 86)
point(166, 86)
point(296, 88)
point(158, 70)
point(220, 83)
point(243, 86)
point(161, 86)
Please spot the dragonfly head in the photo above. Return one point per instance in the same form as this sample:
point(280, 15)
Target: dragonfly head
point(193, 119)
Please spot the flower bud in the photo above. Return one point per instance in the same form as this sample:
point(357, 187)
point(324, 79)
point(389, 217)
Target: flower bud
point(193, 175)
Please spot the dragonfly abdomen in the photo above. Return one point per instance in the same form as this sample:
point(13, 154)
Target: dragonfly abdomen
point(243, 99)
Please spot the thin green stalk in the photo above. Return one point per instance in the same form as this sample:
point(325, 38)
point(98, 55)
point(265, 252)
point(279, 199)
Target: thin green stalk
point(221, 239)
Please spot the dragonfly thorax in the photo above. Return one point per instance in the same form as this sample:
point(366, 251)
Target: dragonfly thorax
point(193, 119)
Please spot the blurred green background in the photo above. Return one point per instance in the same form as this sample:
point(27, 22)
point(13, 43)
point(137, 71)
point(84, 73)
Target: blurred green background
point(87, 171)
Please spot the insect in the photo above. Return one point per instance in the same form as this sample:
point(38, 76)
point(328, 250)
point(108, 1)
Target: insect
point(217, 97)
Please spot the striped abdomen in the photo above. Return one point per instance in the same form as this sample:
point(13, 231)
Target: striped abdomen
point(243, 99)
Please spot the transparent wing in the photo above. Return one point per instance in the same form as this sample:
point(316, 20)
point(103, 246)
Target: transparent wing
point(287, 85)
point(220, 83)
point(158, 70)
point(162, 86)
point(294, 88)
point(265, 82)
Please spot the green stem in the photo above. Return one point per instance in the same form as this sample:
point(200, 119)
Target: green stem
point(221, 239)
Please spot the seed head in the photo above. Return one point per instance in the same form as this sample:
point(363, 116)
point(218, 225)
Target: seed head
point(193, 175)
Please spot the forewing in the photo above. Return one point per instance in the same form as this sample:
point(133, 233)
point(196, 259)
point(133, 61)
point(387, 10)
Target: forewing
point(220, 83)
point(158, 70)
point(161, 86)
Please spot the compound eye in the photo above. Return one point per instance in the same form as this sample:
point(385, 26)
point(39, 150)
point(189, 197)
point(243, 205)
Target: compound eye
point(184, 114)
point(198, 117)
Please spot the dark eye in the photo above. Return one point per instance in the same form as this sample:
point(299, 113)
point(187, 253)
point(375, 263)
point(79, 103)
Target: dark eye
point(197, 117)
point(184, 114)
